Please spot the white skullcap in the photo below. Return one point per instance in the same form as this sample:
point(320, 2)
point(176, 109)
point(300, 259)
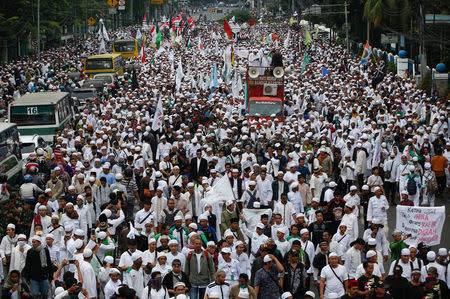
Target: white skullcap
point(11, 226)
point(371, 253)
point(405, 251)
point(136, 255)
point(284, 296)
point(442, 251)
point(173, 242)
point(109, 259)
point(113, 270)
point(333, 254)
point(304, 230)
point(87, 253)
point(267, 259)
point(36, 238)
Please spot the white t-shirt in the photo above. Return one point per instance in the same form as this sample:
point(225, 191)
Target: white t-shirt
point(332, 283)
point(199, 256)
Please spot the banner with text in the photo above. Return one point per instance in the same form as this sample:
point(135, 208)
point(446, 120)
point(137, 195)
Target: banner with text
point(423, 223)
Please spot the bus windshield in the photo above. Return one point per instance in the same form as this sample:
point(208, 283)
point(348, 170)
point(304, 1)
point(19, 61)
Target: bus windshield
point(125, 46)
point(9, 143)
point(99, 64)
point(265, 108)
point(31, 116)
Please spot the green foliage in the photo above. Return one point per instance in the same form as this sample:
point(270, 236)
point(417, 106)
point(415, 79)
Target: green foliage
point(391, 67)
point(241, 16)
point(426, 83)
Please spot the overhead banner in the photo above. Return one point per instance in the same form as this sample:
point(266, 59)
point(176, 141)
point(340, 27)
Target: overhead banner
point(424, 224)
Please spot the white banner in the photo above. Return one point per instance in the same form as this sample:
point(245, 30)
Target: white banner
point(216, 197)
point(253, 216)
point(423, 223)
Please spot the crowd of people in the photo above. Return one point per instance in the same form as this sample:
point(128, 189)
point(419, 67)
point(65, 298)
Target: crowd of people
point(115, 209)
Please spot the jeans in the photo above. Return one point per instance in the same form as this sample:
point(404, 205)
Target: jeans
point(197, 292)
point(267, 297)
point(39, 288)
point(129, 210)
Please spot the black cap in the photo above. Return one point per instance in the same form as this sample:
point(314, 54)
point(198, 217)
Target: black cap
point(379, 284)
point(398, 269)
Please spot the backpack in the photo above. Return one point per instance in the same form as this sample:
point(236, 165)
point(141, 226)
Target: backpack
point(411, 186)
point(170, 218)
point(432, 187)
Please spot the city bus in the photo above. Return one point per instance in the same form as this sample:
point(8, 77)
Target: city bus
point(104, 63)
point(42, 113)
point(129, 48)
point(10, 154)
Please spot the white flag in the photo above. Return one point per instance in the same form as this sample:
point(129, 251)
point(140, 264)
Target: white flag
point(158, 117)
point(138, 34)
point(216, 197)
point(102, 47)
point(287, 40)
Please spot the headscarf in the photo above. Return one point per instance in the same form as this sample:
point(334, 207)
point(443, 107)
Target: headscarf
point(42, 255)
point(8, 284)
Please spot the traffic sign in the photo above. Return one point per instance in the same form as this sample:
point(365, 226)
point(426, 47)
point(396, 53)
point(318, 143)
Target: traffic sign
point(122, 2)
point(112, 3)
point(91, 21)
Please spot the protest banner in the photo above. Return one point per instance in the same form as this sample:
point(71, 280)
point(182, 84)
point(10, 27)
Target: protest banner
point(423, 223)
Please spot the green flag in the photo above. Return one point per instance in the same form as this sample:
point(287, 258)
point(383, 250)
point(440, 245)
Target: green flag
point(317, 33)
point(308, 38)
point(305, 62)
point(158, 37)
point(189, 44)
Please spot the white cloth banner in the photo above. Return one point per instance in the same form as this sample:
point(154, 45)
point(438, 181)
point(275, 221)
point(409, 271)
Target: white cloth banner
point(216, 197)
point(253, 216)
point(423, 223)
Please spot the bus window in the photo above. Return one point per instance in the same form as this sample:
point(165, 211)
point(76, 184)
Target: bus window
point(125, 46)
point(99, 64)
point(38, 115)
point(8, 164)
point(118, 63)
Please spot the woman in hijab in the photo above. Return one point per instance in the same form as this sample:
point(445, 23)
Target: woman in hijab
point(13, 287)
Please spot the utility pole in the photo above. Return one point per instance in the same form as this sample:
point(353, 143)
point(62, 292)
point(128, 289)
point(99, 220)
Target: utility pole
point(423, 54)
point(39, 29)
point(346, 25)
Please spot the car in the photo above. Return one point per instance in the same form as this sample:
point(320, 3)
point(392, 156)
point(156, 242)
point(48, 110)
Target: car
point(108, 78)
point(29, 144)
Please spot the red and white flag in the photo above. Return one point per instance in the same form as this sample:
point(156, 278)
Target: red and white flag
point(191, 21)
point(158, 117)
point(201, 47)
point(142, 54)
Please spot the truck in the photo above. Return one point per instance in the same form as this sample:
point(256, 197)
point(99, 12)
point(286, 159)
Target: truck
point(265, 92)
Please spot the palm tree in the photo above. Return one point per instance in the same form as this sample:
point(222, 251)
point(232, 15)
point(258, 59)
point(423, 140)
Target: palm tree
point(376, 11)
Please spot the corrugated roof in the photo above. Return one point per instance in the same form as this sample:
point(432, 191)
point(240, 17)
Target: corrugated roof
point(40, 98)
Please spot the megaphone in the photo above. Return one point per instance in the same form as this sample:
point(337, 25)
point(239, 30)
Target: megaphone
point(253, 72)
point(242, 69)
point(278, 72)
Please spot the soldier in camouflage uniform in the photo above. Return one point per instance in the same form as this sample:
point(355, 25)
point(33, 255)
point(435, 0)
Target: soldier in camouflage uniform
point(25, 219)
point(8, 214)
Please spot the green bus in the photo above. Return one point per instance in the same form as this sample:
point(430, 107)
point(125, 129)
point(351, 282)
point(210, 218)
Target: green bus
point(42, 113)
point(10, 154)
